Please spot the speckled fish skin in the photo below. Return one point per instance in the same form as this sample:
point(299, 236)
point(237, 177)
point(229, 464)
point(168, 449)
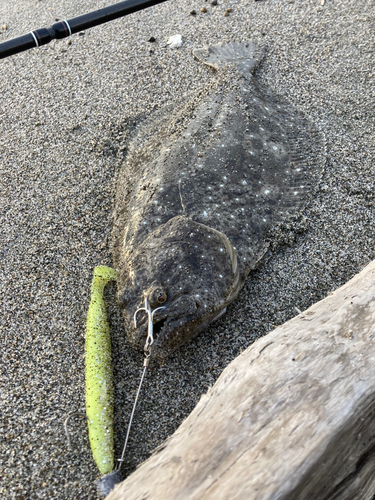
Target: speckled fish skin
point(202, 185)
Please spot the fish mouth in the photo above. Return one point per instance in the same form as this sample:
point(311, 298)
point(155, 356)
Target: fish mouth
point(172, 331)
point(157, 327)
point(164, 324)
point(173, 324)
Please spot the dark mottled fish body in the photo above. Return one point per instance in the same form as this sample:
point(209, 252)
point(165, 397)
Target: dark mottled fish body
point(201, 187)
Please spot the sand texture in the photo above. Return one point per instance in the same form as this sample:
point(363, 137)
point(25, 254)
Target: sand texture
point(66, 110)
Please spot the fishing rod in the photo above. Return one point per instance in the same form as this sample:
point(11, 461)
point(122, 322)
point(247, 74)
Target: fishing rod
point(63, 29)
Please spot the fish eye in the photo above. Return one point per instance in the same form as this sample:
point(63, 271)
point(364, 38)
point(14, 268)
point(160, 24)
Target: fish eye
point(162, 297)
point(157, 296)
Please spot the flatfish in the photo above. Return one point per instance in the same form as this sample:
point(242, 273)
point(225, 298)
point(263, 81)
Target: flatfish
point(201, 187)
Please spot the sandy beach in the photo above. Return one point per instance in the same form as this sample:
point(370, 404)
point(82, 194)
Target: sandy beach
point(65, 109)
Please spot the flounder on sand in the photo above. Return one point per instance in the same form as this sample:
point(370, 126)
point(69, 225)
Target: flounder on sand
point(202, 184)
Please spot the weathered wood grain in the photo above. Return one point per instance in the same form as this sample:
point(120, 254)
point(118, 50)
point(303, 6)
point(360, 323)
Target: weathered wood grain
point(293, 417)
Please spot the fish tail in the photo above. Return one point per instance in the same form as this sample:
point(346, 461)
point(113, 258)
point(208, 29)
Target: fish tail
point(245, 55)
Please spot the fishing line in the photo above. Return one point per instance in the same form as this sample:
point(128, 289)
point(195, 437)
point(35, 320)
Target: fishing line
point(145, 365)
point(70, 415)
point(146, 362)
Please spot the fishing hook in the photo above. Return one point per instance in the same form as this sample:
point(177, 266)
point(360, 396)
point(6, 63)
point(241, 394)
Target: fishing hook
point(150, 327)
point(147, 350)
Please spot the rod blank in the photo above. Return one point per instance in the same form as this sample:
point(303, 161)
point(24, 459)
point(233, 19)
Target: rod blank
point(63, 29)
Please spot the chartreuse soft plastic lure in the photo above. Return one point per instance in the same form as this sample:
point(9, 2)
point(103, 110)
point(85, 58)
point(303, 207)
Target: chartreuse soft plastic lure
point(99, 386)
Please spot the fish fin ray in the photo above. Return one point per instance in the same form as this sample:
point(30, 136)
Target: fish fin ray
point(246, 56)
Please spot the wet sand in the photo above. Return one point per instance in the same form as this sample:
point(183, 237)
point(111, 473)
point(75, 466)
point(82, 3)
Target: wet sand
point(65, 109)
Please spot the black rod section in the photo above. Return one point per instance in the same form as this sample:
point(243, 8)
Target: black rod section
point(64, 29)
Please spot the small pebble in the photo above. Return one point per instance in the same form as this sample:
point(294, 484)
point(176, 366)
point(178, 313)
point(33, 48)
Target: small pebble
point(81, 34)
point(193, 13)
point(203, 9)
point(174, 41)
point(4, 27)
point(229, 10)
point(152, 39)
point(214, 2)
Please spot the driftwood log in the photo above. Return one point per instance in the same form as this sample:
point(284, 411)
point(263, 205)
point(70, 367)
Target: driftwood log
point(293, 417)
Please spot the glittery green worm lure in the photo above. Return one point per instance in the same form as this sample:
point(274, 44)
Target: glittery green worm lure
point(99, 385)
